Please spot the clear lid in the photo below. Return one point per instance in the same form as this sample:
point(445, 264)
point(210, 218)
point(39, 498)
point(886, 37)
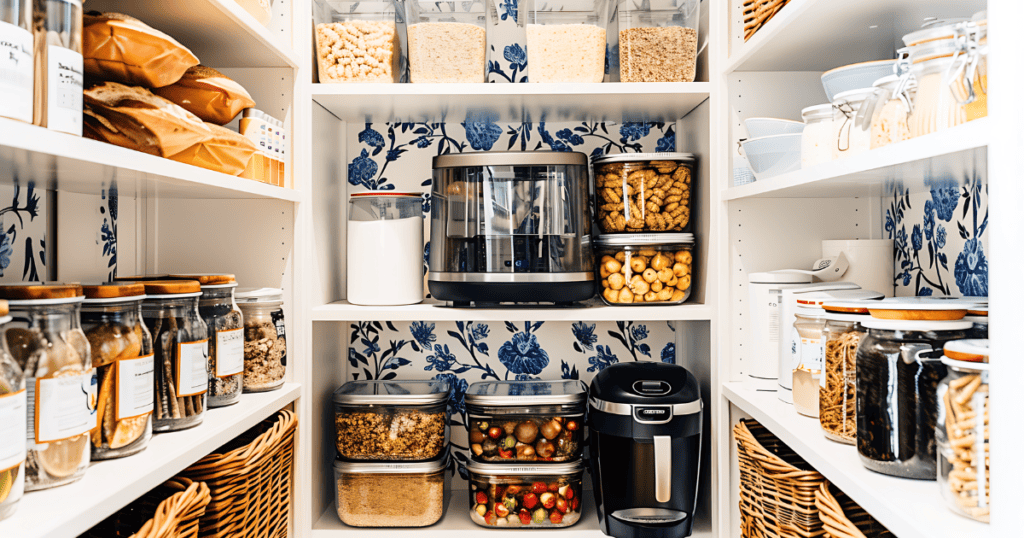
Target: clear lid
point(503, 469)
point(971, 350)
point(916, 325)
point(645, 157)
point(258, 295)
point(628, 240)
point(419, 467)
point(817, 113)
point(515, 393)
point(401, 393)
point(510, 158)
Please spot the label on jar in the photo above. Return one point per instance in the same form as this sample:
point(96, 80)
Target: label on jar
point(12, 429)
point(277, 316)
point(65, 407)
point(16, 73)
point(230, 352)
point(193, 368)
point(810, 354)
point(134, 387)
point(64, 90)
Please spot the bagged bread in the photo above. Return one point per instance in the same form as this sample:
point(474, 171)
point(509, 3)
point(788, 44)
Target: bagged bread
point(122, 49)
point(134, 118)
point(209, 94)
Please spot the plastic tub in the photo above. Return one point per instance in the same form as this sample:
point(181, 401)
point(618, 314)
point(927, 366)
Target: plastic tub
point(392, 494)
point(644, 192)
point(645, 269)
point(391, 420)
point(658, 40)
point(525, 497)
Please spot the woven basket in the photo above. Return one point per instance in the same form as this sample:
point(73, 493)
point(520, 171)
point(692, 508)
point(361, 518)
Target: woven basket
point(843, 518)
point(171, 510)
point(250, 482)
point(757, 12)
point(777, 487)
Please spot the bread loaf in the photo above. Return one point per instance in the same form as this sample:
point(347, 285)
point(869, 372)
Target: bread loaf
point(123, 49)
point(209, 94)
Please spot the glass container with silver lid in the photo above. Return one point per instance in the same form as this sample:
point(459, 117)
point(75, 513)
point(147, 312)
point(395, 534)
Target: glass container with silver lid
point(391, 420)
point(511, 421)
point(392, 494)
point(525, 496)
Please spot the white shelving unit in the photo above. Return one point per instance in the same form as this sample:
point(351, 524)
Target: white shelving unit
point(437, 311)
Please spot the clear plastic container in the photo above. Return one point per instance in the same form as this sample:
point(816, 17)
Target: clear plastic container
point(851, 129)
point(392, 494)
point(46, 340)
point(122, 353)
point(514, 421)
point(447, 41)
point(266, 346)
point(658, 40)
point(808, 356)
point(391, 420)
point(818, 135)
point(566, 39)
point(16, 65)
point(645, 269)
point(59, 67)
point(837, 396)
point(180, 343)
point(356, 41)
point(525, 496)
point(390, 225)
point(644, 192)
point(962, 431)
point(890, 110)
point(13, 425)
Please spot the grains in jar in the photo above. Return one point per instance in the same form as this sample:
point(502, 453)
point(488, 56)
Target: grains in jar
point(391, 420)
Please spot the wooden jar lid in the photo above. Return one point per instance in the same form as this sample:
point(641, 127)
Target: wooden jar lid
point(113, 290)
point(171, 287)
point(37, 291)
point(4, 308)
point(206, 279)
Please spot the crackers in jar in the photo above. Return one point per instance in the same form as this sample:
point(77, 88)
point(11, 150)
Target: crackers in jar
point(643, 192)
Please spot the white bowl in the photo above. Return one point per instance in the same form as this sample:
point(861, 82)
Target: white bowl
point(762, 127)
point(855, 76)
point(773, 155)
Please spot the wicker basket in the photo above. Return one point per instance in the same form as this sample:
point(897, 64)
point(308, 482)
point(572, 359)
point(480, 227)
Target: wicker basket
point(777, 487)
point(171, 510)
point(250, 481)
point(843, 518)
point(757, 12)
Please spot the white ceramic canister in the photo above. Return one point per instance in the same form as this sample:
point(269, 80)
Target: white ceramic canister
point(385, 248)
point(761, 370)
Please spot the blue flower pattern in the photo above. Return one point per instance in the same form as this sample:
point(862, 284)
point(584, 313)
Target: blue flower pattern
point(584, 335)
point(481, 135)
point(602, 360)
point(668, 353)
point(523, 354)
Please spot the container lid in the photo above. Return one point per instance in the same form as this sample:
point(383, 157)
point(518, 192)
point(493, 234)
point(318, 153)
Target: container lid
point(644, 383)
point(427, 392)
point(515, 393)
point(779, 277)
point(139, 278)
point(114, 292)
point(384, 194)
point(817, 112)
point(978, 312)
point(179, 288)
point(510, 158)
point(817, 298)
point(899, 309)
point(974, 351)
point(511, 469)
point(823, 289)
point(258, 295)
point(645, 157)
point(853, 97)
point(809, 311)
point(208, 280)
point(4, 309)
point(916, 325)
point(419, 467)
point(29, 293)
point(844, 316)
point(627, 240)
point(847, 307)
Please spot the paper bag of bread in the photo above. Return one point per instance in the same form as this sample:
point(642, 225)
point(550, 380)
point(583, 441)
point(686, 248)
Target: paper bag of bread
point(209, 94)
point(123, 49)
point(134, 118)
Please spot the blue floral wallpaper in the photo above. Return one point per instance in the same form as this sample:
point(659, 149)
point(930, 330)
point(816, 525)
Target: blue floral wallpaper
point(23, 234)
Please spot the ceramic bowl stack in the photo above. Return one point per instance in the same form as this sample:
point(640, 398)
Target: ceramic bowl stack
point(773, 147)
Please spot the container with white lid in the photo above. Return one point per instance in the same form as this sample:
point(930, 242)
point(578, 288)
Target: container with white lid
point(266, 348)
point(837, 396)
point(851, 128)
point(385, 248)
point(816, 144)
point(13, 424)
point(923, 308)
point(525, 496)
point(762, 372)
point(962, 429)
point(392, 494)
point(645, 269)
point(807, 358)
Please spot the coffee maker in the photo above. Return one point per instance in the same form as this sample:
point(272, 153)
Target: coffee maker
point(645, 438)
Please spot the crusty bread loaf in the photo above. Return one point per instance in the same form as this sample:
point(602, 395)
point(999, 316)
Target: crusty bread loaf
point(120, 48)
point(209, 94)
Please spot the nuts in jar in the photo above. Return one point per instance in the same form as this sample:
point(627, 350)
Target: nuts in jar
point(525, 497)
point(391, 420)
point(962, 431)
point(645, 268)
point(643, 192)
point(356, 41)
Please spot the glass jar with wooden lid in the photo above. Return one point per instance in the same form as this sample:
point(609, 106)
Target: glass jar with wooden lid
point(837, 390)
point(12, 426)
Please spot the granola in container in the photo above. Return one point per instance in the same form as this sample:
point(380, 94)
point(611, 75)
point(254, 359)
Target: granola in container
point(392, 494)
point(266, 348)
point(391, 420)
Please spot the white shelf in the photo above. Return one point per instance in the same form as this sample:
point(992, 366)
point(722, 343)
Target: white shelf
point(818, 35)
point(60, 161)
point(908, 508)
point(953, 153)
point(655, 101)
point(436, 311)
point(219, 32)
point(110, 485)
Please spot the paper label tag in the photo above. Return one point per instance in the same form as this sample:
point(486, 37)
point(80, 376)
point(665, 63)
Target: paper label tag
point(12, 429)
point(64, 407)
point(810, 354)
point(16, 72)
point(134, 387)
point(230, 352)
point(193, 373)
point(64, 89)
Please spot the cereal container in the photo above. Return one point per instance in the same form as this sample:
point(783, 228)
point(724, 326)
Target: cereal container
point(13, 424)
point(644, 192)
point(356, 41)
point(645, 269)
point(391, 420)
point(962, 429)
point(657, 40)
point(447, 41)
point(525, 496)
point(266, 347)
point(402, 494)
point(566, 40)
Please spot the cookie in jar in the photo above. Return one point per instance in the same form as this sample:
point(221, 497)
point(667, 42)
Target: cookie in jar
point(644, 192)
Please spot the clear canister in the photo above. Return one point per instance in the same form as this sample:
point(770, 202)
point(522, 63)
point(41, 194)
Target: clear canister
point(525, 496)
point(447, 41)
point(385, 248)
point(657, 40)
point(644, 192)
point(46, 340)
point(851, 129)
point(266, 347)
point(837, 396)
point(818, 135)
point(357, 41)
point(890, 110)
point(16, 64)
point(13, 425)
point(122, 353)
point(643, 269)
point(395, 494)
point(807, 357)
point(59, 76)
point(180, 344)
point(566, 39)
point(962, 431)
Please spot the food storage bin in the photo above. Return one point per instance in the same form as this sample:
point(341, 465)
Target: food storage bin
point(890, 108)
point(122, 354)
point(837, 396)
point(525, 496)
point(390, 226)
point(644, 192)
point(851, 128)
point(266, 348)
point(511, 421)
point(392, 494)
point(391, 420)
point(658, 40)
point(962, 429)
point(16, 65)
point(223, 321)
point(59, 67)
point(447, 41)
point(807, 358)
point(46, 340)
point(356, 41)
point(645, 269)
point(13, 424)
point(816, 144)
point(565, 39)
point(898, 372)
point(180, 344)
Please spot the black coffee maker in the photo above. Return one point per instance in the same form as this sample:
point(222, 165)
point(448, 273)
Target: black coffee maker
point(645, 434)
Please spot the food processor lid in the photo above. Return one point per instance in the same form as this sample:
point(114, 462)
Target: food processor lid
point(779, 277)
point(420, 467)
point(510, 469)
point(644, 383)
point(510, 158)
point(514, 393)
point(626, 240)
point(428, 392)
point(916, 325)
point(645, 157)
point(973, 351)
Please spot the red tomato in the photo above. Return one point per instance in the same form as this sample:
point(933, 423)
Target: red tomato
point(539, 487)
point(530, 500)
point(555, 517)
point(524, 516)
point(481, 497)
